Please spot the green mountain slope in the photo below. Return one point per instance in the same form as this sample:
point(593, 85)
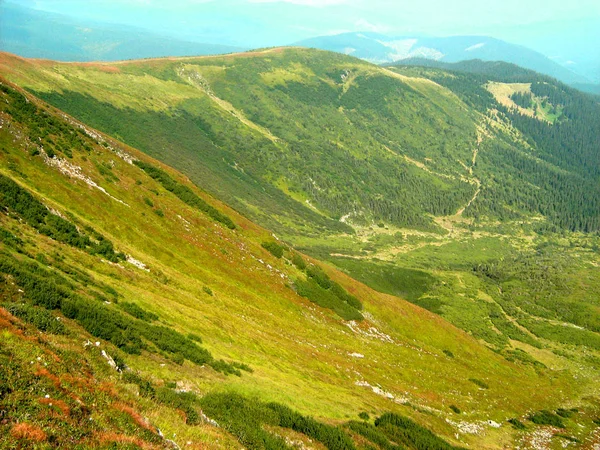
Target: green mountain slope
point(298, 138)
point(122, 260)
point(419, 190)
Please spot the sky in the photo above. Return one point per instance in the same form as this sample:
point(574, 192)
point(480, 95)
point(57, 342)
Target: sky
point(280, 22)
point(564, 30)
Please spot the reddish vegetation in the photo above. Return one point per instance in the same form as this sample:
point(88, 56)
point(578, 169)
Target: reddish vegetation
point(80, 382)
point(109, 389)
point(137, 418)
point(102, 67)
point(26, 431)
point(43, 372)
point(52, 354)
point(56, 403)
point(111, 437)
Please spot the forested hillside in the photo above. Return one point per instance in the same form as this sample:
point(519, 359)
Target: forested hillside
point(466, 203)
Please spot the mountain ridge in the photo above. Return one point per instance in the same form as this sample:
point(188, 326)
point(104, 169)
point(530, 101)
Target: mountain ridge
point(33, 33)
point(383, 49)
point(498, 298)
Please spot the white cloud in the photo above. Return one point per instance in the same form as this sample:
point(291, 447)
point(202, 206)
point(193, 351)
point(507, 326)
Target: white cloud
point(365, 25)
point(315, 3)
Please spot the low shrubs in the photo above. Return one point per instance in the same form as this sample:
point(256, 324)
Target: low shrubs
point(134, 310)
point(274, 248)
point(42, 319)
point(481, 384)
point(546, 418)
point(20, 202)
point(325, 292)
point(406, 432)
point(246, 418)
point(130, 332)
point(184, 193)
point(517, 424)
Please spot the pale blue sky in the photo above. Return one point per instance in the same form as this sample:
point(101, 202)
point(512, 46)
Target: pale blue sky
point(567, 31)
point(273, 22)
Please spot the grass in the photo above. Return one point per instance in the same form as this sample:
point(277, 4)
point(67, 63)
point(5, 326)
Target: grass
point(208, 280)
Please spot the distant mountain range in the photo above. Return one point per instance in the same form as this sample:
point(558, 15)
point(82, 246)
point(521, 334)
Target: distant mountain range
point(40, 34)
point(37, 34)
point(381, 49)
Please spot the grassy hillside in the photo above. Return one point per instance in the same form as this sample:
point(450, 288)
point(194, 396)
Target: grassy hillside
point(402, 183)
point(307, 142)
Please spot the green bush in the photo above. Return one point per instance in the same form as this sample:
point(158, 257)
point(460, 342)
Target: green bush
point(517, 424)
point(184, 193)
point(320, 277)
point(406, 432)
point(245, 418)
point(145, 387)
point(481, 384)
point(137, 312)
point(183, 401)
point(42, 319)
point(546, 418)
point(455, 409)
point(52, 292)
point(374, 435)
point(326, 299)
point(274, 248)
point(298, 261)
point(565, 413)
point(19, 201)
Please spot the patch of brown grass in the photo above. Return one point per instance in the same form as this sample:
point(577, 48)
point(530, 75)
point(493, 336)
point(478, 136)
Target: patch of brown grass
point(28, 432)
point(64, 408)
point(101, 67)
point(137, 418)
point(43, 372)
point(108, 388)
point(112, 437)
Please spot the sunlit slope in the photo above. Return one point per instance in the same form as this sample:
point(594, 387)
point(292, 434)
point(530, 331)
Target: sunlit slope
point(297, 139)
point(198, 275)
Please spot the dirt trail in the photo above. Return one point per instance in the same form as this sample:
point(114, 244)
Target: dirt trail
point(197, 80)
point(477, 181)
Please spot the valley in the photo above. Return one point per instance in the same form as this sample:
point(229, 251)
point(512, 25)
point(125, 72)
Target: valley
point(277, 242)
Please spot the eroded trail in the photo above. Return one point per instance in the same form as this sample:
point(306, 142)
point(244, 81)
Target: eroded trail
point(475, 180)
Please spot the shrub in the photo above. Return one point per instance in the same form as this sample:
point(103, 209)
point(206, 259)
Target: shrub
point(184, 193)
point(479, 383)
point(42, 319)
point(145, 387)
point(298, 261)
point(183, 401)
point(455, 409)
point(274, 248)
point(546, 418)
point(317, 274)
point(326, 299)
point(195, 338)
point(374, 435)
point(404, 431)
point(138, 312)
point(517, 424)
point(363, 415)
point(566, 413)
